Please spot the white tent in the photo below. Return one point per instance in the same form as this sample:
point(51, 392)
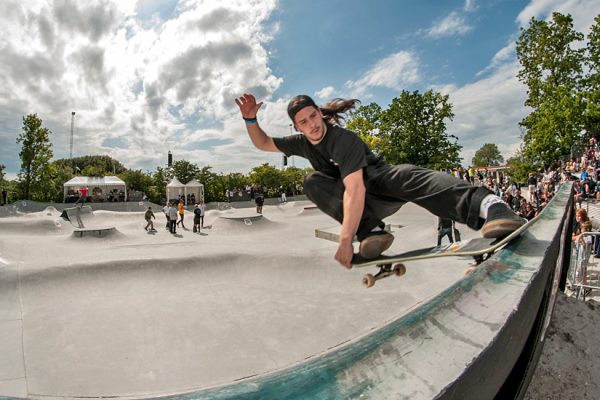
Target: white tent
point(99, 188)
point(196, 188)
point(175, 189)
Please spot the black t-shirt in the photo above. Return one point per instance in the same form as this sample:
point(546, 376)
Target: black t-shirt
point(340, 153)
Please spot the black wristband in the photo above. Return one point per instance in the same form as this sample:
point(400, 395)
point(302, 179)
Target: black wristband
point(250, 121)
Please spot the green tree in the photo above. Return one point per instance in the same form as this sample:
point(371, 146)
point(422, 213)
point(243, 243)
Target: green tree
point(185, 171)
point(551, 67)
point(160, 178)
point(487, 155)
point(293, 178)
point(95, 165)
point(137, 180)
point(35, 155)
point(519, 167)
point(2, 182)
point(266, 175)
point(365, 121)
point(413, 130)
point(236, 180)
point(214, 184)
point(93, 170)
point(60, 174)
point(591, 83)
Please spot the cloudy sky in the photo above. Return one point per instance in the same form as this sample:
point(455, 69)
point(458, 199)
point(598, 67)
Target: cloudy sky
point(148, 76)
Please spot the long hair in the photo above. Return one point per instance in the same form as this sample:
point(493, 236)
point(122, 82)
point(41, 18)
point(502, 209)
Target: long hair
point(333, 111)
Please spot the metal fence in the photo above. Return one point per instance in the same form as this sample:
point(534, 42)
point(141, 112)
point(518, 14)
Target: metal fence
point(583, 277)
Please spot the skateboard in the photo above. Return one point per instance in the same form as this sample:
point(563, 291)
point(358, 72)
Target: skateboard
point(480, 249)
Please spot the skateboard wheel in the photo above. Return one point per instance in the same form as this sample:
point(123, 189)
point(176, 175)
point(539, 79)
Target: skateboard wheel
point(368, 280)
point(399, 269)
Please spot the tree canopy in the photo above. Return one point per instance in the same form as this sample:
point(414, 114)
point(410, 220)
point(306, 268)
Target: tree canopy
point(551, 66)
point(411, 130)
point(487, 155)
point(36, 152)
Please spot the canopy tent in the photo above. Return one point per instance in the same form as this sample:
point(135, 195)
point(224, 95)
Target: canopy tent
point(195, 190)
point(106, 188)
point(175, 189)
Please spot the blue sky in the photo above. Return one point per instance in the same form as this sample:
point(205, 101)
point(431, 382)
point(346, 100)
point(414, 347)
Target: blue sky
point(145, 77)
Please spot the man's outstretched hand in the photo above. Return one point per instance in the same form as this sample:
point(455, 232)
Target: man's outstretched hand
point(248, 106)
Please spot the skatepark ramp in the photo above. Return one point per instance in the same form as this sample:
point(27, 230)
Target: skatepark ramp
point(76, 216)
point(250, 323)
point(479, 339)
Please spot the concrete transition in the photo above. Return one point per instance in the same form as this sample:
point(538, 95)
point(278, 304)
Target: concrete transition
point(75, 216)
point(255, 308)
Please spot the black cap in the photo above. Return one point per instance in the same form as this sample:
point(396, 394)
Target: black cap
point(298, 103)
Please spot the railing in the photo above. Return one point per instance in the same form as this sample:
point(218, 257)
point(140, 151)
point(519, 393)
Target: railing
point(579, 277)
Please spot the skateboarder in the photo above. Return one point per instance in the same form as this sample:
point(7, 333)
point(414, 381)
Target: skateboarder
point(445, 227)
point(83, 191)
point(148, 217)
point(359, 189)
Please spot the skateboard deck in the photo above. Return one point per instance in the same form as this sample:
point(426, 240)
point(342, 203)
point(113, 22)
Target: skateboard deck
point(479, 249)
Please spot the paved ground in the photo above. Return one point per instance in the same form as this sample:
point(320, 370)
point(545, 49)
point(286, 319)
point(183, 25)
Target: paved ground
point(138, 314)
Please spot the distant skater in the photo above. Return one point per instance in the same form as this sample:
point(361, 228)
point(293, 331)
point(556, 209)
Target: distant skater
point(83, 192)
point(359, 189)
point(166, 212)
point(173, 218)
point(181, 211)
point(148, 216)
point(259, 199)
point(197, 212)
point(202, 208)
point(283, 197)
point(444, 228)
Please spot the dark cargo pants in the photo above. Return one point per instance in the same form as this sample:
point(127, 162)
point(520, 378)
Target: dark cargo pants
point(391, 186)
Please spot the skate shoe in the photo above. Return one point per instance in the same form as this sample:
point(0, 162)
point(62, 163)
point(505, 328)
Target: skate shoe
point(372, 246)
point(501, 221)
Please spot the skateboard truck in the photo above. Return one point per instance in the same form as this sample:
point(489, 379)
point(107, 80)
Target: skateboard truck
point(385, 270)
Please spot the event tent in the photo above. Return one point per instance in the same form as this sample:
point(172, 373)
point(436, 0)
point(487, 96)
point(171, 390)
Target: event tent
point(175, 189)
point(97, 186)
point(196, 188)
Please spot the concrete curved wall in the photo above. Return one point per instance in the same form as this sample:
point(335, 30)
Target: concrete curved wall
point(479, 338)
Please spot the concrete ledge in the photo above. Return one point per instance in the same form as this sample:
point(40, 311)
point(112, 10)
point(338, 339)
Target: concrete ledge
point(332, 233)
point(96, 232)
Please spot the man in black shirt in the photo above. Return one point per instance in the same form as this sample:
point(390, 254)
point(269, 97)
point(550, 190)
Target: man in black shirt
point(359, 189)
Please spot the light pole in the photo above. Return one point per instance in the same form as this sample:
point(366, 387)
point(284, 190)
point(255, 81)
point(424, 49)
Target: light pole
point(291, 157)
point(71, 142)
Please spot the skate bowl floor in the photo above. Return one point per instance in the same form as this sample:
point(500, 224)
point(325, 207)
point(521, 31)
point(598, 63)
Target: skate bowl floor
point(140, 315)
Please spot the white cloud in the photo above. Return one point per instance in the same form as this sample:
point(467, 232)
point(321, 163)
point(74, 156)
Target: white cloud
point(453, 24)
point(582, 11)
point(152, 83)
point(488, 111)
point(469, 6)
point(326, 93)
point(394, 72)
point(502, 56)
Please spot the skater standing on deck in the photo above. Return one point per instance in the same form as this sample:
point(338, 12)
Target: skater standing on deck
point(83, 192)
point(359, 189)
